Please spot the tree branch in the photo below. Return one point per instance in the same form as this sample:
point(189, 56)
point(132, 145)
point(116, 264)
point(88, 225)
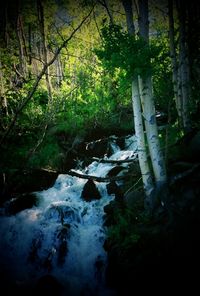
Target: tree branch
point(97, 179)
point(114, 161)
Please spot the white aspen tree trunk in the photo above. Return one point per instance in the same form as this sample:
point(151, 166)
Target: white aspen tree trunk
point(175, 77)
point(139, 132)
point(156, 154)
point(157, 159)
point(138, 120)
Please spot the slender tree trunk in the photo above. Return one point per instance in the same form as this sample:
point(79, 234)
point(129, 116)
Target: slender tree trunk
point(29, 45)
point(106, 5)
point(129, 16)
point(21, 51)
point(138, 120)
point(6, 36)
point(23, 55)
point(59, 74)
point(184, 67)
point(44, 44)
point(156, 154)
point(175, 76)
point(139, 132)
point(3, 100)
point(157, 159)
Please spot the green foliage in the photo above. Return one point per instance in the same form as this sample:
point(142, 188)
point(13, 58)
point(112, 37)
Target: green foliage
point(162, 76)
point(123, 233)
point(48, 155)
point(121, 50)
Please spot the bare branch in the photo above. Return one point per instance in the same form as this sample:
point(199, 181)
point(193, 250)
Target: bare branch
point(97, 179)
point(114, 161)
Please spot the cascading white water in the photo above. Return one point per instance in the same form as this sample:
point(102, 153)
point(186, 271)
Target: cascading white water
point(63, 236)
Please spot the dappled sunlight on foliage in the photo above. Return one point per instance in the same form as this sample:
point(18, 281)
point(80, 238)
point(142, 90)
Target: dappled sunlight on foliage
point(120, 50)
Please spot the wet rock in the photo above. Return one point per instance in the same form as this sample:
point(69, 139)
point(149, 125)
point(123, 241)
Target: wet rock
point(90, 191)
point(18, 204)
point(99, 268)
point(35, 247)
point(115, 171)
point(100, 148)
point(121, 142)
point(113, 188)
point(19, 182)
point(63, 236)
point(62, 213)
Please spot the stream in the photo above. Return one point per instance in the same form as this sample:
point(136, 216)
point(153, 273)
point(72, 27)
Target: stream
point(57, 247)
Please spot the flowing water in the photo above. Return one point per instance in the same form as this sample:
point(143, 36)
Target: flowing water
point(62, 238)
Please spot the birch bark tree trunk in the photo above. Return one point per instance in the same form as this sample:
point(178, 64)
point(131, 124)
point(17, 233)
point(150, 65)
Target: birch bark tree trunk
point(138, 121)
point(157, 159)
point(140, 136)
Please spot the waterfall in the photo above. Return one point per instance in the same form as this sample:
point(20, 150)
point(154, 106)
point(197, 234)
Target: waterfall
point(62, 238)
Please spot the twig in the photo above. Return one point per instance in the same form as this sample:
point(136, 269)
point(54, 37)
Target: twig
point(134, 185)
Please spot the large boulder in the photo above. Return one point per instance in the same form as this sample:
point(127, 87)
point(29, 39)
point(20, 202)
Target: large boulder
point(90, 191)
point(20, 203)
point(27, 181)
point(100, 147)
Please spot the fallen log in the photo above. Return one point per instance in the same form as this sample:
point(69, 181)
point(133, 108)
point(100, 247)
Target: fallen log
point(114, 161)
point(98, 179)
